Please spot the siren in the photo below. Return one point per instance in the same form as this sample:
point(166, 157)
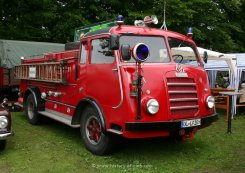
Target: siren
point(147, 20)
point(154, 19)
point(140, 52)
point(139, 23)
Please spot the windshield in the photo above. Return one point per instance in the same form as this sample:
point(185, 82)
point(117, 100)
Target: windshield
point(183, 52)
point(157, 46)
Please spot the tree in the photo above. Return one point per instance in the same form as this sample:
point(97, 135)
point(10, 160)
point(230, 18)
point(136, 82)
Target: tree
point(216, 24)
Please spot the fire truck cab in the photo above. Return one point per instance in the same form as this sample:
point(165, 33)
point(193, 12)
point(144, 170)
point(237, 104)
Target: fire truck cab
point(130, 81)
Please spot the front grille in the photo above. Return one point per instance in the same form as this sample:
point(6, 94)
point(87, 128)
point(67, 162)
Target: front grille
point(182, 96)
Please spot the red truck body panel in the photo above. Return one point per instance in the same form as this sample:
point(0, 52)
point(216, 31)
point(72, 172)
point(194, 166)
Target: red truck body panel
point(109, 85)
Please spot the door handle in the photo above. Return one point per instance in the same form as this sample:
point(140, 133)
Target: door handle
point(114, 69)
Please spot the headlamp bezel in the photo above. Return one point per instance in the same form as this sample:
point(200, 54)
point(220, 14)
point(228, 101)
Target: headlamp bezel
point(152, 103)
point(210, 101)
point(4, 119)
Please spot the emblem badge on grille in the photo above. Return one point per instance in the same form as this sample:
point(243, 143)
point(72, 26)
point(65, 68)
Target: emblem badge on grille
point(180, 71)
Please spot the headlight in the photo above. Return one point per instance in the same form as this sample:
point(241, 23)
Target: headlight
point(3, 122)
point(210, 101)
point(152, 106)
point(43, 95)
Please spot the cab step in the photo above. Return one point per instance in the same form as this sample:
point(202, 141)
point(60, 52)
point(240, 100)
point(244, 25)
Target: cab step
point(115, 131)
point(63, 118)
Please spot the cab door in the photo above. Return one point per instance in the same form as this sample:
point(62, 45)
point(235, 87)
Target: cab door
point(102, 73)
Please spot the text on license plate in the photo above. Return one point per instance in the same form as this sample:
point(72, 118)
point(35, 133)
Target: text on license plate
point(190, 123)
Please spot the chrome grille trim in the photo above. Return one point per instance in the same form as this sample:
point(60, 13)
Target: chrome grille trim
point(182, 96)
point(181, 84)
point(182, 92)
point(184, 107)
point(183, 99)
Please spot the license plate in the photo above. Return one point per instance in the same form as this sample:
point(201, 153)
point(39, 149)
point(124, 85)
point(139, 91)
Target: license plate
point(190, 123)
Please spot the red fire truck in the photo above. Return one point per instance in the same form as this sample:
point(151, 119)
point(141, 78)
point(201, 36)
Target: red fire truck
point(130, 81)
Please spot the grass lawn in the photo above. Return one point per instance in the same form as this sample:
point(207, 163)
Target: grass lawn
point(57, 148)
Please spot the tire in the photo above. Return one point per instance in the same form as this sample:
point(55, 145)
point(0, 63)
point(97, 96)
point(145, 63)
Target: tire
point(31, 111)
point(72, 45)
point(2, 145)
point(93, 137)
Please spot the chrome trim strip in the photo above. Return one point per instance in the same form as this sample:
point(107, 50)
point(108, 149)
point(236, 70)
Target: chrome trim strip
point(115, 131)
point(60, 103)
point(182, 92)
point(183, 107)
point(106, 33)
point(179, 84)
point(63, 118)
point(6, 135)
point(120, 84)
point(183, 99)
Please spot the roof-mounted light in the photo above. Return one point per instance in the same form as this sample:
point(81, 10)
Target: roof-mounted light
point(119, 20)
point(189, 33)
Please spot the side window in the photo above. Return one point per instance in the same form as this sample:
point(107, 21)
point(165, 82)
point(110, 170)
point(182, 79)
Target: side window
point(83, 53)
point(100, 53)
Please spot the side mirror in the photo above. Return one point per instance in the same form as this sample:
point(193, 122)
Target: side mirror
point(114, 42)
point(125, 52)
point(205, 56)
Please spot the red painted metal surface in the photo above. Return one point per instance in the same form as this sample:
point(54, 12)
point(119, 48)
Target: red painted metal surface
point(1, 77)
point(100, 82)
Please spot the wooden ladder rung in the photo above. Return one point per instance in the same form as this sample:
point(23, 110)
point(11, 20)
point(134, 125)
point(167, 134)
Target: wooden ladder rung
point(51, 72)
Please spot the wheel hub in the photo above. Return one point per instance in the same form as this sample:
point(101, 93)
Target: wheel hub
point(93, 130)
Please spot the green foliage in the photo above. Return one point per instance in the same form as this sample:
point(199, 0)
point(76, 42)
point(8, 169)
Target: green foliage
point(217, 25)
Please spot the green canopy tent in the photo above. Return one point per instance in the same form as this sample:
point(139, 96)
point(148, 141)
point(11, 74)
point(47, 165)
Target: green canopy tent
point(11, 50)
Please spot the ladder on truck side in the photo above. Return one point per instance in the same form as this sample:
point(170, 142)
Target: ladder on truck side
point(46, 72)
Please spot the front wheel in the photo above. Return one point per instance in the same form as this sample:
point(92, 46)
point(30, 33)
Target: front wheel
point(2, 145)
point(94, 139)
point(31, 111)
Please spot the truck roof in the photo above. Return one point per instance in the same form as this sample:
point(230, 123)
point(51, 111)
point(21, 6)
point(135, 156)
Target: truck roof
point(135, 30)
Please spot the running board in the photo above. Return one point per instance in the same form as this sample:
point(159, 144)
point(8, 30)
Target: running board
point(115, 131)
point(63, 118)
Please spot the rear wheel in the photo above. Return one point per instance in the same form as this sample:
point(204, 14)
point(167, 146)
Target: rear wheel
point(31, 111)
point(94, 139)
point(2, 145)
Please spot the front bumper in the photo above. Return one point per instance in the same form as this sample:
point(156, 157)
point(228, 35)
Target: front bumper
point(4, 136)
point(168, 126)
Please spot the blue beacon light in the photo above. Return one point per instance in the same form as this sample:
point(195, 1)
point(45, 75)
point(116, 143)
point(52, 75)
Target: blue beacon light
point(119, 20)
point(190, 33)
